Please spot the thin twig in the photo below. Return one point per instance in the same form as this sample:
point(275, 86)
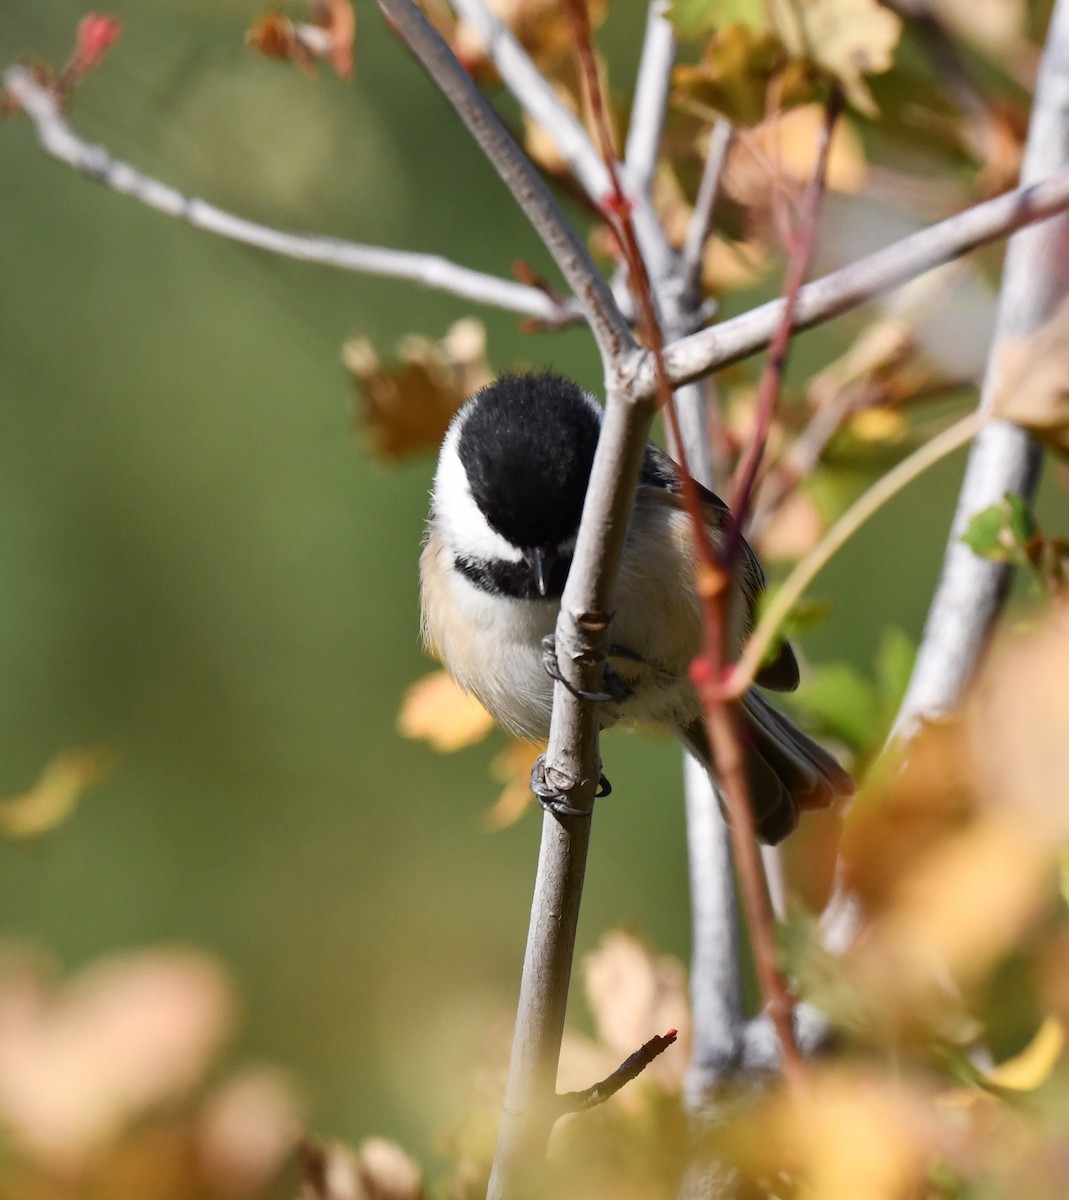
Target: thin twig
point(428, 270)
point(703, 218)
point(651, 97)
point(631, 1068)
point(607, 324)
point(1035, 281)
point(853, 285)
point(802, 248)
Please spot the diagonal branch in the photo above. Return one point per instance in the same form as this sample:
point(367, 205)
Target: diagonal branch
point(60, 141)
point(631, 1068)
point(600, 309)
point(842, 290)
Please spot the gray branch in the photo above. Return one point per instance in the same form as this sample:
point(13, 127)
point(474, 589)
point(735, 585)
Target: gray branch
point(842, 290)
point(428, 270)
point(1004, 459)
point(606, 322)
point(572, 767)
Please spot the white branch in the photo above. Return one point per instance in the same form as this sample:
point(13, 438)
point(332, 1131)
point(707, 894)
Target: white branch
point(1003, 459)
point(707, 351)
point(651, 97)
point(428, 270)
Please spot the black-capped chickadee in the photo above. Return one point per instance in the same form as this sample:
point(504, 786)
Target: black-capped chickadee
point(508, 494)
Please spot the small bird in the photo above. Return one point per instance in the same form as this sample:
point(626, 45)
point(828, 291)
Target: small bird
point(508, 494)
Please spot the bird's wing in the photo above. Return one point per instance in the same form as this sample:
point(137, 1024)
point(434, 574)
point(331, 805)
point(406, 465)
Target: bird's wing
point(664, 480)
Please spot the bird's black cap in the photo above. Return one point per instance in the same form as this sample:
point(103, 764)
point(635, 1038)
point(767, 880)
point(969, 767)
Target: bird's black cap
point(527, 444)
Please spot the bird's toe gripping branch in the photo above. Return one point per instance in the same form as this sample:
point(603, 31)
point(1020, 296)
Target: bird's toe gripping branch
point(555, 796)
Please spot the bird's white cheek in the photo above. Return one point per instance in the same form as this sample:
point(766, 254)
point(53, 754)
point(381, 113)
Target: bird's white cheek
point(491, 645)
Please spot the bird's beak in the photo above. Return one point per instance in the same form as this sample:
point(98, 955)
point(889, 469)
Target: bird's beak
point(542, 562)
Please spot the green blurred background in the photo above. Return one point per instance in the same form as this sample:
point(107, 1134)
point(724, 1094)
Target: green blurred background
point(202, 569)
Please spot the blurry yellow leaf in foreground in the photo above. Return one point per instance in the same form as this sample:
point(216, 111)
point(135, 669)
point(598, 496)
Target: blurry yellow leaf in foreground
point(854, 1138)
point(512, 767)
point(405, 408)
point(956, 855)
point(1033, 382)
point(435, 710)
point(81, 1063)
point(54, 796)
point(1032, 1067)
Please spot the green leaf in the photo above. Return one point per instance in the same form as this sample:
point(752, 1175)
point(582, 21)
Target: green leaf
point(894, 665)
point(1001, 532)
point(696, 19)
point(843, 703)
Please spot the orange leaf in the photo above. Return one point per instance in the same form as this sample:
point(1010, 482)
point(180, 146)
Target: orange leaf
point(435, 710)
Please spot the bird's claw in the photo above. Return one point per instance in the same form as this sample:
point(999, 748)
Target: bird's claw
point(614, 689)
point(555, 800)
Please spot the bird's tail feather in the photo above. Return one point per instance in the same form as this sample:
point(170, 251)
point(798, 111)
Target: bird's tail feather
point(787, 771)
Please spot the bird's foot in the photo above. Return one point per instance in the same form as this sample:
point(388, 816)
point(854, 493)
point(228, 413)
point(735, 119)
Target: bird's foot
point(556, 800)
point(614, 687)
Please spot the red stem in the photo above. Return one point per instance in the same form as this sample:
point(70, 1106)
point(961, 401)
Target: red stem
point(714, 571)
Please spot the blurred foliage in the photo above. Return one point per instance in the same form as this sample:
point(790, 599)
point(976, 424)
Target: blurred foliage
point(204, 574)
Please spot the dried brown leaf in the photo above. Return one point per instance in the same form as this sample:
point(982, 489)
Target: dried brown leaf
point(848, 39)
point(329, 35)
point(405, 408)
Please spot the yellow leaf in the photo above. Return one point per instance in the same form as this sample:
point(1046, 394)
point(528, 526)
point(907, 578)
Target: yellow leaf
point(1032, 1067)
point(1033, 382)
point(879, 425)
point(54, 796)
point(512, 767)
point(435, 710)
point(847, 38)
